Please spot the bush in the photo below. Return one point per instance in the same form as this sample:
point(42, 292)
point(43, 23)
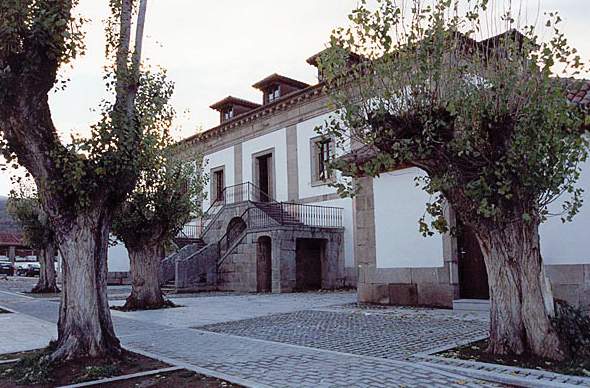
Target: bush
point(573, 326)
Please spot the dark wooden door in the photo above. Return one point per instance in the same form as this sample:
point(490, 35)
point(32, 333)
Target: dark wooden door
point(473, 278)
point(264, 265)
point(308, 264)
point(264, 176)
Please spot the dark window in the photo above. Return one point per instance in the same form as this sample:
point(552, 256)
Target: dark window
point(324, 155)
point(273, 93)
point(219, 185)
point(228, 114)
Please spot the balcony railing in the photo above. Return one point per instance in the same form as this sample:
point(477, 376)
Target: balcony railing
point(266, 212)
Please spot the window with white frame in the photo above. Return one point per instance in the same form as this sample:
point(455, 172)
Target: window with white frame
point(273, 93)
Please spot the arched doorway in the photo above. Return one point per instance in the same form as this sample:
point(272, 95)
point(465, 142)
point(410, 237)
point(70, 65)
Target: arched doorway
point(264, 264)
point(235, 228)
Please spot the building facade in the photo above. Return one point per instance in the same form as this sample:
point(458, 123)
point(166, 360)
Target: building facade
point(274, 147)
point(269, 181)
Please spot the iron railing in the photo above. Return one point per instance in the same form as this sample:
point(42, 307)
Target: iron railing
point(280, 213)
point(266, 212)
point(241, 192)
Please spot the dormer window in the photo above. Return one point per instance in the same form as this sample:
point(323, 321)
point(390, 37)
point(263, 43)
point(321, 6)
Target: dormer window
point(276, 86)
point(273, 93)
point(228, 113)
point(232, 107)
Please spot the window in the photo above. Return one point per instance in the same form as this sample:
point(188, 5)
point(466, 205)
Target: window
point(273, 93)
point(228, 114)
point(218, 184)
point(322, 155)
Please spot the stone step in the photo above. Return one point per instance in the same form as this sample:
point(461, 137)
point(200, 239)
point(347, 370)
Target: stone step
point(471, 305)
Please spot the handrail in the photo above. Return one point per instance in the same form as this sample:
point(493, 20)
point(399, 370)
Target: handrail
point(233, 194)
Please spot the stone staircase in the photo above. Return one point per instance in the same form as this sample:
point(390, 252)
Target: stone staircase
point(276, 211)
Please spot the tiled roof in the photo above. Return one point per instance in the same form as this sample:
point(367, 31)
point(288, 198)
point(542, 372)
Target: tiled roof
point(579, 93)
point(279, 78)
point(11, 239)
point(235, 101)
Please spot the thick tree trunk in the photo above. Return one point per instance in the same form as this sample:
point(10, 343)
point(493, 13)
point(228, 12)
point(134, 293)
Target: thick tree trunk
point(47, 278)
point(520, 295)
point(85, 328)
point(145, 277)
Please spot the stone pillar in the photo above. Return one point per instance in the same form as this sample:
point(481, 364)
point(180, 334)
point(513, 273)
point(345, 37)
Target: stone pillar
point(292, 167)
point(12, 254)
point(364, 238)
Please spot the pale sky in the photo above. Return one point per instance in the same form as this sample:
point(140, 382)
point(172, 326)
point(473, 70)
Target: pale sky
point(214, 48)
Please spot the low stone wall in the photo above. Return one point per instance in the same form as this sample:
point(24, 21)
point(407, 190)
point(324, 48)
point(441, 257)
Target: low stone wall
point(168, 265)
point(432, 287)
point(118, 278)
point(198, 272)
point(571, 283)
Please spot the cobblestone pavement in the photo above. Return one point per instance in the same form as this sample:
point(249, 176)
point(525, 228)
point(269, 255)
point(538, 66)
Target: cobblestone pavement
point(210, 310)
point(280, 365)
point(258, 362)
point(396, 335)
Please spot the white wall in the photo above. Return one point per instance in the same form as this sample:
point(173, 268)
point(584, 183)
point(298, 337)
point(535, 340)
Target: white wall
point(225, 157)
point(118, 258)
point(278, 141)
point(568, 243)
point(399, 204)
point(347, 222)
point(305, 132)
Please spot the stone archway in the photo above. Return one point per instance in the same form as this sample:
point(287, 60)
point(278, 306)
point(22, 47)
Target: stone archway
point(264, 264)
point(235, 228)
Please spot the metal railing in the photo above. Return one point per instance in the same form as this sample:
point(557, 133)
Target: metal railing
point(267, 212)
point(239, 193)
point(280, 213)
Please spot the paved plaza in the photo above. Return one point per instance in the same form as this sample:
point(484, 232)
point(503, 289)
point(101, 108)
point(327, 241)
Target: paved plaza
point(321, 339)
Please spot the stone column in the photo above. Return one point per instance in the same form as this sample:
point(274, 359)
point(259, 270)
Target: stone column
point(292, 167)
point(12, 254)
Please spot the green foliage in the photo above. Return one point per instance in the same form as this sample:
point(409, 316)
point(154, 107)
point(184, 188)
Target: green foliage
point(573, 326)
point(165, 198)
point(23, 206)
point(488, 121)
point(37, 38)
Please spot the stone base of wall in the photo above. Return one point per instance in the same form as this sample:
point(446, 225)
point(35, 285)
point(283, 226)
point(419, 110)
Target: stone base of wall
point(238, 270)
point(118, 278)
point(350, 277)
point(427, 286)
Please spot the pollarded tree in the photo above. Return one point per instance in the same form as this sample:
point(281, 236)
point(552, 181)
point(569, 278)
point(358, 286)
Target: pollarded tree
point(24, 207)
point(489, 123)
point(164, 200)
point(80, 185)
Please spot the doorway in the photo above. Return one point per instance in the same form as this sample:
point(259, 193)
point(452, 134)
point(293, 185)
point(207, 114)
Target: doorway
point(308, 264)
point(473, 277)
point(264, 176)
point(264, 264)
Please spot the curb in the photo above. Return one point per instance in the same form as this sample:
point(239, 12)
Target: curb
point(122, 378)
point(485, 372)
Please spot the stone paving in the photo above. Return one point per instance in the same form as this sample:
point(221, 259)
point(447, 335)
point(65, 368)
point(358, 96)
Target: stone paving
point(255, 362)
point(280, 365)
point(394, 336)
